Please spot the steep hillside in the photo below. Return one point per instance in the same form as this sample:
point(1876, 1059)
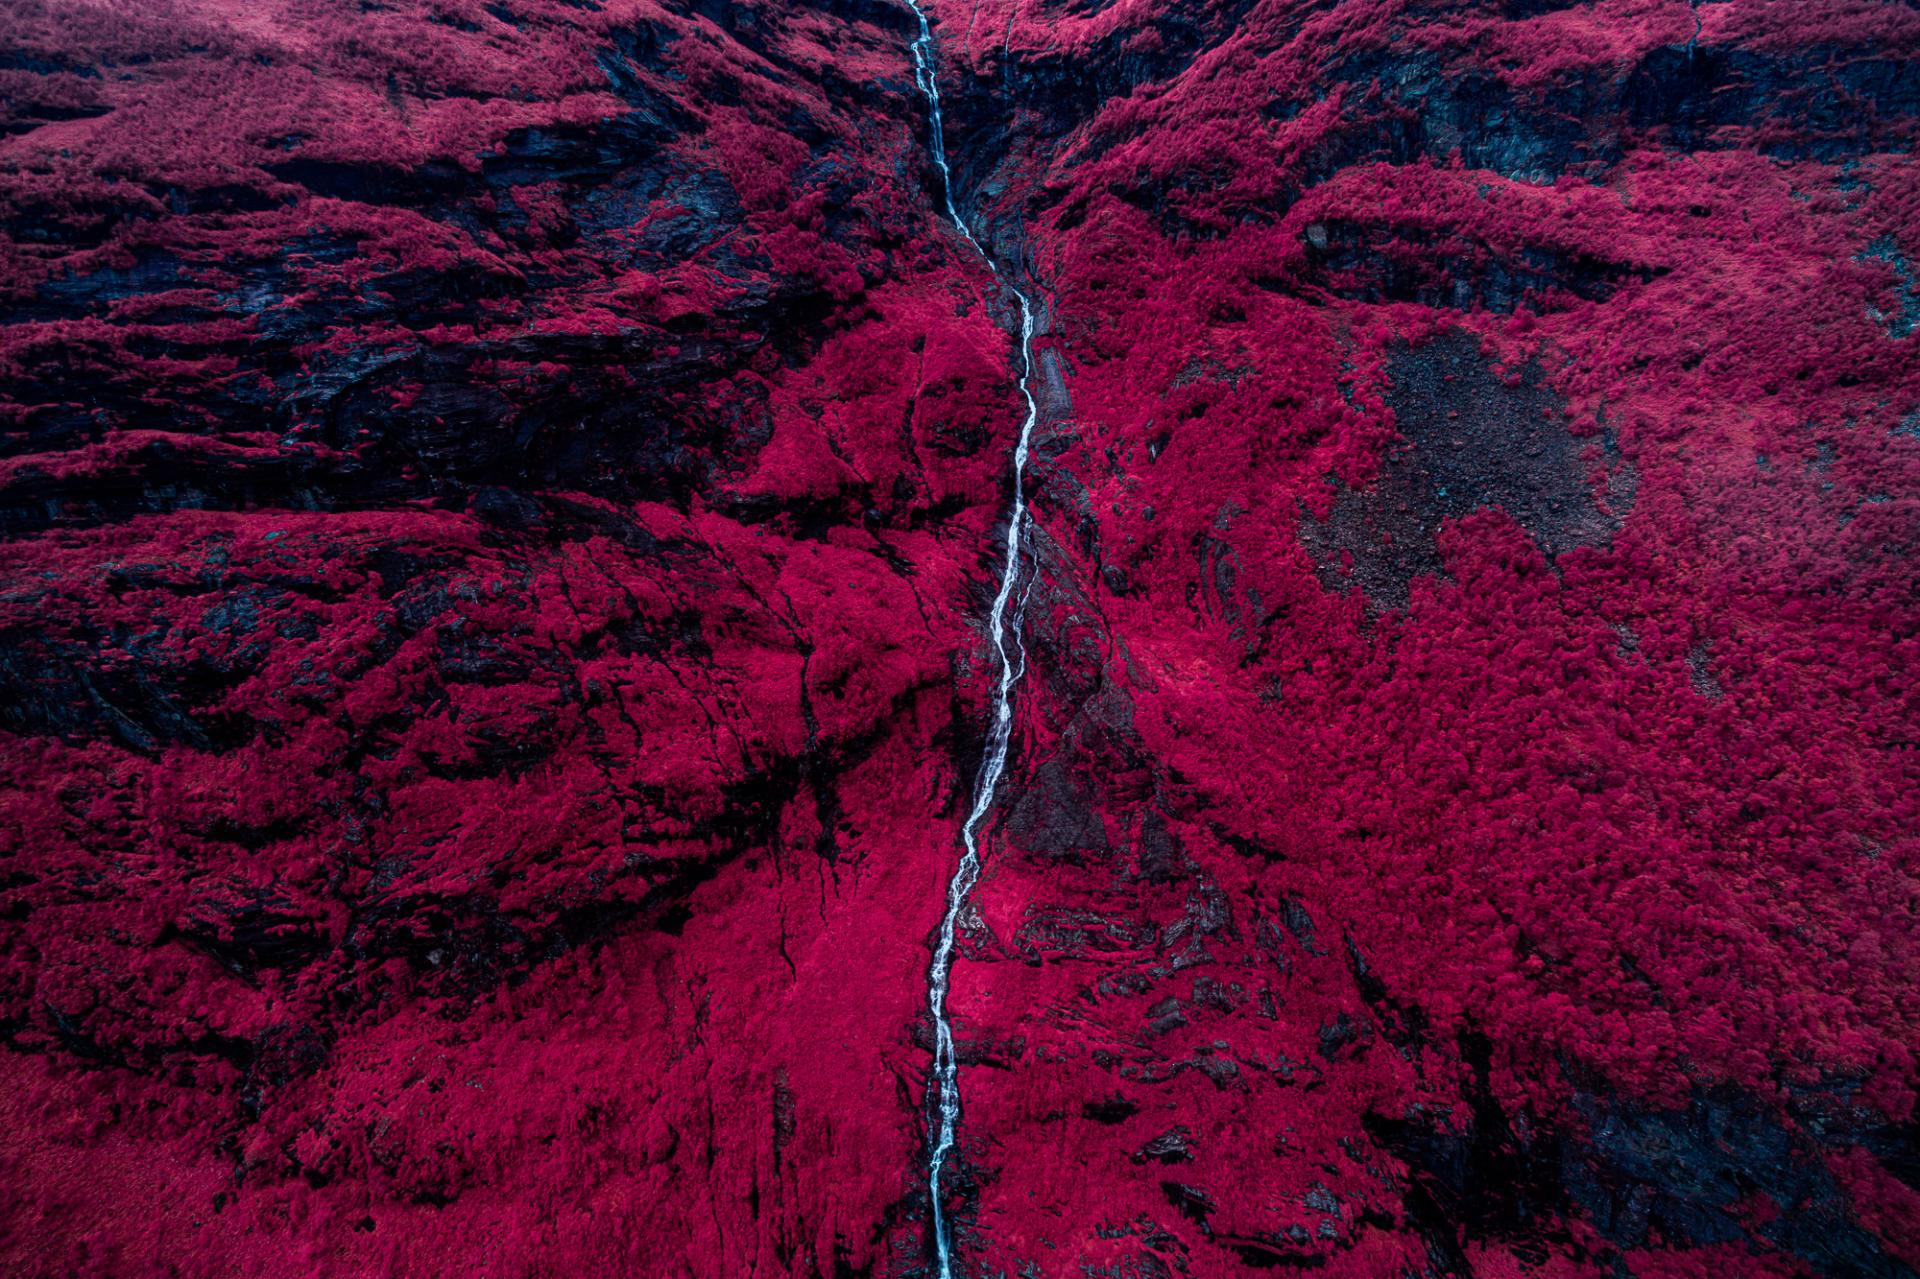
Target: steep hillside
point(502, 507)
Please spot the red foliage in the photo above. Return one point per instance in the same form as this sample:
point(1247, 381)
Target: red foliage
point(500, 498)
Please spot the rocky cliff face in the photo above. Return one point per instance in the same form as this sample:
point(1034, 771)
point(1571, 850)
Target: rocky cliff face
point(500, 505)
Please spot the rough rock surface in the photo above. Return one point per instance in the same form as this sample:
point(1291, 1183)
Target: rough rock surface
point(499, 503)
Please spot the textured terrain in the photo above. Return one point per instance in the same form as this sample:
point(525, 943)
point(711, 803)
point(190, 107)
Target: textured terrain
point(501, 502)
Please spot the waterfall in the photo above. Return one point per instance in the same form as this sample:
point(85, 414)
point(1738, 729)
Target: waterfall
point(945, 1080)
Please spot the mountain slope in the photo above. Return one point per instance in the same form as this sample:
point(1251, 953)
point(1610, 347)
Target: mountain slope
point(502, 504)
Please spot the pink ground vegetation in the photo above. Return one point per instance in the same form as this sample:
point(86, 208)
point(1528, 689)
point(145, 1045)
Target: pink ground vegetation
point(419, 880)
point(1641, 815)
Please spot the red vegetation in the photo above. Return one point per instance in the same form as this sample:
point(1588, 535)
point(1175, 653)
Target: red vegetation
point(500, 499)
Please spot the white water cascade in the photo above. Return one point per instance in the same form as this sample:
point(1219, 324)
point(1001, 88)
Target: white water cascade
point(945, 1082)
